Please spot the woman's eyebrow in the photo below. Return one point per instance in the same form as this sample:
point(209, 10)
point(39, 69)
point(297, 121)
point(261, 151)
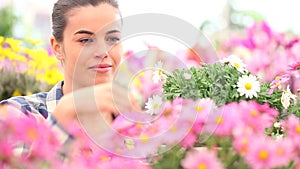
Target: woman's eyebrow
point(84, 32)
point(113, 31)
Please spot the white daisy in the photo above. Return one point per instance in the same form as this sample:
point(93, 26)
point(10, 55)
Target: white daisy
point(187, 76)
point(248, 86)
point(236, 62)
point(158, 74)
point(225, 61)
point(129, 143)
point(153, 105)
point(286, 97)
point(277, 125)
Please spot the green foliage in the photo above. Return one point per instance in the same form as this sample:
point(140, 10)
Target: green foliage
point(12, 83)
point(216, 81)
point(228, 156)
point(171, 159)
point(8, 20)
point(293, 109)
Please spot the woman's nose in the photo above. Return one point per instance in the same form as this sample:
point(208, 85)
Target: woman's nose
point(101, 55)
point(101, 50)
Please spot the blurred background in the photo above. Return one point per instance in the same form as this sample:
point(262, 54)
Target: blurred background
point(261, 32)
point(31, 18)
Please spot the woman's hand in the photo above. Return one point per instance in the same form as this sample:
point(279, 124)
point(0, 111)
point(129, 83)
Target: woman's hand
point(93, 107)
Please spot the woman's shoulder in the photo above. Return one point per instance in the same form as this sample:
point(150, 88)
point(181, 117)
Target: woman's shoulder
point(35, 103)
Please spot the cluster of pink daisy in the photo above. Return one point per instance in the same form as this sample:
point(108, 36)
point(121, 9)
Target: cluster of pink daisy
point(267, 53)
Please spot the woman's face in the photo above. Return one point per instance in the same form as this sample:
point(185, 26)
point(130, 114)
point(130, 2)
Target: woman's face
point(91, 48)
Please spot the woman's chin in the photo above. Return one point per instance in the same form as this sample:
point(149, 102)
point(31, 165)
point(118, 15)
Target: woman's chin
point(102, 80)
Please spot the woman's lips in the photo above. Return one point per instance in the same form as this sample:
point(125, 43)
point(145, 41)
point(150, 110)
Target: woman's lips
point(101, 68)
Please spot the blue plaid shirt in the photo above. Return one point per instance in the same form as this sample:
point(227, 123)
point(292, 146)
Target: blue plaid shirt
point(42, 104)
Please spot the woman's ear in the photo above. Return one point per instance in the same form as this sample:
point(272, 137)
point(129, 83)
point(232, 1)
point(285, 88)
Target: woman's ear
point(57, 48)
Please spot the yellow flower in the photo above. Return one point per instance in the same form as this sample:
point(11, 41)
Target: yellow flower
point(14, 44)
point(33, 41)
point(1, 39)
point(35, 62)
point(17, 93)
point(52, 76)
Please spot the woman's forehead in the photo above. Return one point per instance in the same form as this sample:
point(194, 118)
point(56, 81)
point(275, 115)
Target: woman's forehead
point(94, 18)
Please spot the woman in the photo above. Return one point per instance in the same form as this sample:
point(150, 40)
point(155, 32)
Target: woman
point(86, 40)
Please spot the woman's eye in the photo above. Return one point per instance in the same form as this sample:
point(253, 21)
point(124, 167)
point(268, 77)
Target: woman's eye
point(112, 40)
point(86, 40)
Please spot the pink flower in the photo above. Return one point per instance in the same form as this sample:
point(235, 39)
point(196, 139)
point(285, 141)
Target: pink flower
point(279, 82)
point(201, 159)
point(293, 48)
point(6, 155)
point(189, 57)
point(189, 140)
point(257, 116)
point(242, 140)
point(203, 108)
point(292, 127)
point(261, 153)
point(260, 35)
point(264, 153)
point(223, 121)
point(284, 150)
point(294, 66)
point(121, 163)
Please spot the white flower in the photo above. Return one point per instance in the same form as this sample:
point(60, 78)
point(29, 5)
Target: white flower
point(236, 62)
point(286, 97)
point(153, 105)
point(277, 125)
point(248, 86)
point(187, 76)
point(158, 74)
point(129, 143)
point(225, 61)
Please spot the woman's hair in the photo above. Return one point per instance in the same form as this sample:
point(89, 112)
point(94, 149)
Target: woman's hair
point(62, 7)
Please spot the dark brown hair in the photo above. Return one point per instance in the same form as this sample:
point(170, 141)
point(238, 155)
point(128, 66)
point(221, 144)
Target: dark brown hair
point(62, 7)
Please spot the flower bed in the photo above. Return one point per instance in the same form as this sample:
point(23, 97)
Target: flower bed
point(214, 116)
point(26, 67)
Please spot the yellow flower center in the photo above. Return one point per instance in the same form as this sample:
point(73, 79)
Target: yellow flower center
point(201, 166)
point(263, 154)
point(160, 72)
point(236, 65)
point(278, 84)
point(167, 112)
point(139, 125)
point(244, 148)
point(173, 128)
point(137, 82)
point(3, 110)
point(253, 113)
point(280, 151)
point(277, 77)
point(144, 138)
point(103, 158)
point(248, 86)
point(298, 129)
point(199, 108)
point(155, 106)
point(32, 133)
point(219, 120)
